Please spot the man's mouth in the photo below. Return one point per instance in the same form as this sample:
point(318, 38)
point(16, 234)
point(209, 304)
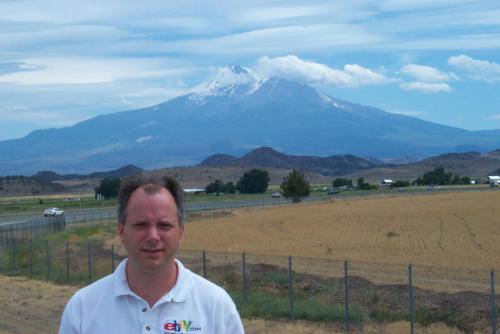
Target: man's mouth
point(152, 251)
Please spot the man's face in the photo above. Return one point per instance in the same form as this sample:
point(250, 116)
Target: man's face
point(151, 232)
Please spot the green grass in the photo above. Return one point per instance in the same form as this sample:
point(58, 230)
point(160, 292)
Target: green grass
point(38, 204)
point(277, 305)
point(87, 232)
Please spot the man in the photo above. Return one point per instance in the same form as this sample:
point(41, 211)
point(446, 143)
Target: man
point(151, 291)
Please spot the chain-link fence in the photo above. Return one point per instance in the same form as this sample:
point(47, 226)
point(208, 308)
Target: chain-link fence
point(351, 294)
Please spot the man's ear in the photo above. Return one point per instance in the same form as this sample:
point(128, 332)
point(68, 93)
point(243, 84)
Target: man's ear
point(119, 229)
point(182, 234)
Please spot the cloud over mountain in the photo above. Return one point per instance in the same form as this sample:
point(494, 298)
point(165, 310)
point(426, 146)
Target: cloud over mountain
point(293, 68)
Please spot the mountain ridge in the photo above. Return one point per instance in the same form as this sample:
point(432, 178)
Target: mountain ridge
point(267, 157)
point(231, 114)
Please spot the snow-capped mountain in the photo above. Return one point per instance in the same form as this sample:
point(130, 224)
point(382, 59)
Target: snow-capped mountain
point(230, 82)
point(233, 113)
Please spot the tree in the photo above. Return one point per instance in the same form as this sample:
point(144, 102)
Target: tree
point(362, 185)
point(218, 187)
point(108, 187)
point(439, 177)
point(229, 188)
point(295, 186)
point(340, 182)
point(254, 181)
point(215, 187)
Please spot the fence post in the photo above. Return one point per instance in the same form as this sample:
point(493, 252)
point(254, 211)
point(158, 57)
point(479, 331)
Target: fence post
point(245, 296)
point(112, 258)
point(31, 258)
point(13, 254)
point(89, 262)
point(48, 260)
point(67, 262)
point(290, 284)
point(346, 296)
point(410, 297)
point(204, 265)
point(493, 304)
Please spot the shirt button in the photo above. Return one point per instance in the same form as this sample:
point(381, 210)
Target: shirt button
point(148, 328)
point(144, 309)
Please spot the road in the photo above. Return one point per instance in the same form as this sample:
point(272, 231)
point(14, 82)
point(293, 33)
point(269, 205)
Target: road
point(110, 212)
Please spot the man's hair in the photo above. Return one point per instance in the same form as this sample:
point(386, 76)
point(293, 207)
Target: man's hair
point(151, 185)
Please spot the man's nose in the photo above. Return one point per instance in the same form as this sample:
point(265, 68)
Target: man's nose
point(153, 233)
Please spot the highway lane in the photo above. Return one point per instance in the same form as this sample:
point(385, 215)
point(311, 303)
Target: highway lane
point(110, 212)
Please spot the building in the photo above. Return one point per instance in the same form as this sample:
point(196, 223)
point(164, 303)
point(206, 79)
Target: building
point(494, 179)
point(387, 182)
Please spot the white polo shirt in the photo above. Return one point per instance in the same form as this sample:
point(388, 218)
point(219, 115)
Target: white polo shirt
point(194, 305)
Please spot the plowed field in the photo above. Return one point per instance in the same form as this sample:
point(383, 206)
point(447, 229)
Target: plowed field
point(458, 230)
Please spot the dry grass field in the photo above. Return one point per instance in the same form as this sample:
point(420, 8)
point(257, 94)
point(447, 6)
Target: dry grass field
point(454, 230)
point(452, 240)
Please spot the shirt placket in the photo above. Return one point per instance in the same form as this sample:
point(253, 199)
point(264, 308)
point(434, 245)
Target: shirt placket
point(147, 319)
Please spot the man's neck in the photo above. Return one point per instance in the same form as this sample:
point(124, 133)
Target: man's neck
point(151, 286)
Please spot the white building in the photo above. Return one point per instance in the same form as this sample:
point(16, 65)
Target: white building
point(494, 179)
point(387, 182)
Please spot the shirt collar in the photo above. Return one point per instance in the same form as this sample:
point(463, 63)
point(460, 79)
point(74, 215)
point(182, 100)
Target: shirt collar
point(179, 292)
point(182, 288)
point(120, 280)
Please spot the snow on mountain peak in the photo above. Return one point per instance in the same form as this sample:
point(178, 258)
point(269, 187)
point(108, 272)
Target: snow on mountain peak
point(228, 81)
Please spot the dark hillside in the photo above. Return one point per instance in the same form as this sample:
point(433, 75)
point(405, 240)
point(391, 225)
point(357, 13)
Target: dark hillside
point(267, 157)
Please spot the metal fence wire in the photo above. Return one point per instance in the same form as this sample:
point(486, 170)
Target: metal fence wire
point(352, 294)
point(278, 286)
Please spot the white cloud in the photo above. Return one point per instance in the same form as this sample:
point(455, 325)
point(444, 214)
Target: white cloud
point(274, 40)
point(426, 87)
point(427, 79)
point(293, 68)
point(279, 13)
point(495, 117)
point(477, 69)
point(25, 114)
point(427, 74)
point(404, 112)
point(84, 71)
point(413, 5)
point(144, 139)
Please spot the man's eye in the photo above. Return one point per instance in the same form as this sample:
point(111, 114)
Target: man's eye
point(139, 226)
point(165, 226)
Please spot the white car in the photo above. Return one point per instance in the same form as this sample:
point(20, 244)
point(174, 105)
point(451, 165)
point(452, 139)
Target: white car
point(53, 212)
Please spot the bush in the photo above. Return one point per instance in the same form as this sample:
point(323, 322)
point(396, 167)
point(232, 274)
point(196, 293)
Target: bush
point(400, 184)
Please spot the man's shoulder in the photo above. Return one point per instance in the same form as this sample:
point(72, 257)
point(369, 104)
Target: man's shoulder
point(204, 287)
point(96, 289)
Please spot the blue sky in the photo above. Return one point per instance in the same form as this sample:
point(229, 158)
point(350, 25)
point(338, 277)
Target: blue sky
point(65, 61)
